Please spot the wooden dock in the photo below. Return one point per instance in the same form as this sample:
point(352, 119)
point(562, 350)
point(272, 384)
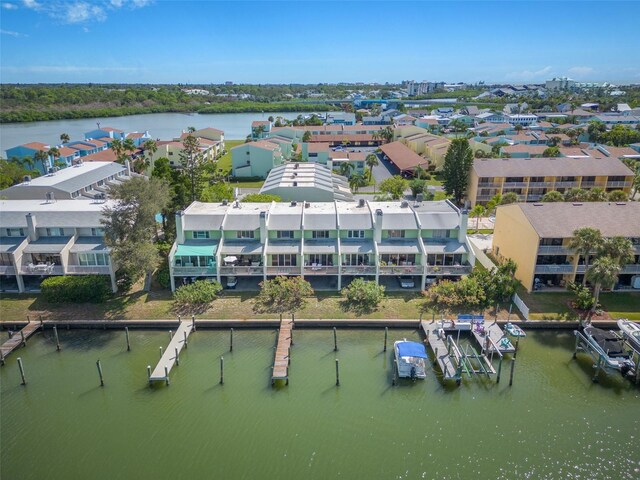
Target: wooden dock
point(491, 330)
point(169, 357)
point(282, 358)
point(437, 338)
point(19, 338)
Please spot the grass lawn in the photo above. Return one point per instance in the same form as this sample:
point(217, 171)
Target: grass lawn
point(224, 162)
point(435, 180)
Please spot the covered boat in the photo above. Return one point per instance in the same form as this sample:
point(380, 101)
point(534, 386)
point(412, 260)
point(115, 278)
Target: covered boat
point(631, 332)
point(514, 330)
point(611, 347)
point(410, 359)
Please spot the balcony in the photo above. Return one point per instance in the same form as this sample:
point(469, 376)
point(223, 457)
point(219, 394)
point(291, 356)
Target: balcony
point(534, 198)
point(320, 270)
point(562, 268)
point(358, 270)
point(553, 249)
point(489, 185)
point(193, 271)
point(618, 184)
point(88, 269)
point(241, 270)
point(7, 270)
point(402, 270)
point(515, 184)
point(483, 198)
point(41, 269)
point(566, 184)
point(540, 184)
point(632, 268)
point(295, 270)
point(448, 269)
point(592, 185)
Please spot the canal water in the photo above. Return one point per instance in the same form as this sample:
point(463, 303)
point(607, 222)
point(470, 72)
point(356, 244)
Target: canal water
point(552, 423)
point(160, 125)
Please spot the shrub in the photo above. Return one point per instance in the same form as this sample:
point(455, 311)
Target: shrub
point(76, 289)
point(196, 297)
point(362, 296)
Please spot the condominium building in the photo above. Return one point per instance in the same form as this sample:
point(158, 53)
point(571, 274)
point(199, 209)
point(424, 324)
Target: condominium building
point(327, 243)
point(307, 181)
point(537, 236)
point(531, 178)
point(39, 239)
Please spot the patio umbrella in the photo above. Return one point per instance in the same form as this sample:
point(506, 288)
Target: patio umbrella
point(230, 259)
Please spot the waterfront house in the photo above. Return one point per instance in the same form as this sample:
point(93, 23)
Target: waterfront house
point(255, 159)
point(110, 132)
point(29, 150)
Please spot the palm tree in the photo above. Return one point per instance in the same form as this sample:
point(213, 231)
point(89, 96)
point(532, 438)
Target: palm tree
point(603, 272)
point(27, 162)
point(386, 134)
point(518, 128)
point(123, 149)
point(54, 153)
point(42, 156)
point(64, 138)
point(345, 168)
point(150, 147)
point(356, 181)
point(476, 212)
point(585, 242)
point(620, 249)
point(371, 161)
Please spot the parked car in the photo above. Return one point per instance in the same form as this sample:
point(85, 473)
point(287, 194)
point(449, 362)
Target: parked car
point(232, 282)
point(406, 282)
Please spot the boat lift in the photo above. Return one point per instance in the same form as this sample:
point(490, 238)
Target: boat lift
point(599, 356)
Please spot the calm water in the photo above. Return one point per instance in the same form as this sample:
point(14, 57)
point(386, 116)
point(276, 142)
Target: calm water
point(160, 125)
point(553, 423)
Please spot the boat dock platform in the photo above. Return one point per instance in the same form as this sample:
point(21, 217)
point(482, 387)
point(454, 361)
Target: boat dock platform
point(441, 345)
point(600, 357)
point(171, 354)
point(17, 339)
point(282, 357)
point(490, 337)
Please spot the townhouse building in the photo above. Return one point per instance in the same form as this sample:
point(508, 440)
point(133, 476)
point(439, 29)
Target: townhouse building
point(327, 243)
point(51, 238)
point(531, 178)
point(537, 237)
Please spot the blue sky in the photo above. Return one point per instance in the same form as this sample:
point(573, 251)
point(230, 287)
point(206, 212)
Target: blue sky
point(164, 41)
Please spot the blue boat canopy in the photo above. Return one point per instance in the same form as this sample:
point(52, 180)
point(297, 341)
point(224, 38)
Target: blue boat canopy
point(411, 349)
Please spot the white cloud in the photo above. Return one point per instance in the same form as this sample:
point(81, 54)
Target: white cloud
point(13, 34)
point(580, 71)
point(81, 11)
point(530, 75)
point(32, 4)
point(9, 6)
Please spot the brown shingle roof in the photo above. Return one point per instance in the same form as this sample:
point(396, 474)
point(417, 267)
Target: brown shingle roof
point(37, 146)
point(403, 157)
point(540, 167)
point(561, 219)
point(524, 148)
point(107, 155)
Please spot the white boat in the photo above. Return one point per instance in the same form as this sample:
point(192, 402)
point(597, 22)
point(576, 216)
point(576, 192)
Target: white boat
point(611, 347)
point(514, 330)
point(410, 359)
point(631, 332)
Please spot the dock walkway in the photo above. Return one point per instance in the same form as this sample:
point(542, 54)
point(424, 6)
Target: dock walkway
point(168, 360)
point(282, 359)
point(495, 333)
point(437, 338)
point(18, 339)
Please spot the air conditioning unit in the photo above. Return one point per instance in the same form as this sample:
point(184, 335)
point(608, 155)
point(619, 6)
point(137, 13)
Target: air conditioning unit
point(50, 197)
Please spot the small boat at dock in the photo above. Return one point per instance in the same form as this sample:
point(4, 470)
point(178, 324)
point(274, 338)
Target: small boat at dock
point(514, 330)
point(410, 359)
point(631, 332)
point(611, 347)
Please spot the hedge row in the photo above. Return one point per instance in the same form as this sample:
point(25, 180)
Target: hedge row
point(76, 289)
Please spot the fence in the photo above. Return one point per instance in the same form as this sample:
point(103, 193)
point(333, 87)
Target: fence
point(524, 310)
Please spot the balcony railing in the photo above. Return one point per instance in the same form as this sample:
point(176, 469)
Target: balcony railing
point(401, 270)
point(320, 270)
point(534, 198)
point(41, 270)
point(7, 270)
point(88, 269)
point(515, 184)
point(194, 271)
point(448, 269)
point(358, 270)
point(489, 185)
point(553, 249)
point(591, 184)
point(566, 184)
point(540, 184)
point(241, 270)
point(618, 184)
point(295, 270)
point(483, 198)
point(563, 268)
point(634, 268)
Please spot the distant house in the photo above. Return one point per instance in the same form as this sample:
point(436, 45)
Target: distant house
point(138, 138)
point(255, 159)
point(491, 117)
point(341, 118)
point(110, 132)
point(29, 150)
point(260, 129)
point(405, 159)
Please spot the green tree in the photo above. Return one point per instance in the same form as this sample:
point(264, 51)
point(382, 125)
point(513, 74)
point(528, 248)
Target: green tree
point(371, 161)
point(586, 241)
point(356, 181)
point(149, 149)
point(123, 149)
point(345, 168)
point(508, 198)
point(130, 226)
point(595, 130)
point(417, 186)
point(42, 157)
point(618, 196)
point(603, 273)
point(477, 212)
point(64, 138)
point(216, 193)
point(551, 152)
point(552, 196)
point(394, 187)
point(306, 136)
point(191, 158)
point(584, 301)
point(620, 249)
point(596, 194)
point(518, 128)
point(575, 195)
point(362, 296)
point(457, 167)
point(282, 295)
point(196, 297)
point(261, 198)
point(54, 153)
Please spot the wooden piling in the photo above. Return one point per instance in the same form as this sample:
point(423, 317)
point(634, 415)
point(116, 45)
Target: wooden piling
point(394, 380)
point(221, 370)
point(337, 372)
point(335, 340)
point(149, 373)
point(166, 376)
point(386, 334)
point(193, 323)
point(55, 332)
point(231, 340)
point(177, 357)
point(186, 344)
point(24, 340)
point(170, 334)
point(575, 350)
point(499, 370)
point(126, 333)
point(513, 364)
point(515, 353)
point(160, 352)
point(24, 381)
point(99, 365)
point(1, 358)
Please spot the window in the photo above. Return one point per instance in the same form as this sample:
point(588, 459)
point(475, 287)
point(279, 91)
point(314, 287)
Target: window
point(200, 234)
point(15, 232)
point(55, 232)
point(90, 259)
point(284, 234)
point(395, 233)
point(245, 234)
point(97, 232)
point(440, 233)
point(284, 260)
point(320, 234)
point(355, 234)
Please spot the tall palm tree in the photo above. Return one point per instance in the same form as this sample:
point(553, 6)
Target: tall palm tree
point(54, 153)
point(585, 242)
point(64, 138)
point(150, 147)
point(345, 168)
point(371, 161)
point(476, 212)
point(42, 157)
point(27, 162)
point(603, 273)
point(123, 149)
point(620, 249)
point(356, 181)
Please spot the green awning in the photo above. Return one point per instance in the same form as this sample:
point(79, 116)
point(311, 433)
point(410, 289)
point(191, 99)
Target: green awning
point(200, 250)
